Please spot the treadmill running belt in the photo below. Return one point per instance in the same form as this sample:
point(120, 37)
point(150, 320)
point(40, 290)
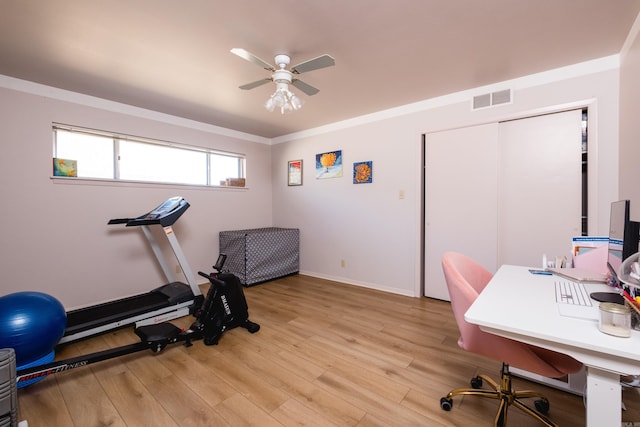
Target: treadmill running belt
point(102, 314)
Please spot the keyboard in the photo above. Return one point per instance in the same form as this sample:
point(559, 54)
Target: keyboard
point(573, 293)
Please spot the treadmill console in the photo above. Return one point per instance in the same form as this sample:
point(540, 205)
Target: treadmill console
point(165, 214)
point(165, 208)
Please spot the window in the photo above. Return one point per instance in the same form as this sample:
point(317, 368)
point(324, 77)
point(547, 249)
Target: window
point(104, 155)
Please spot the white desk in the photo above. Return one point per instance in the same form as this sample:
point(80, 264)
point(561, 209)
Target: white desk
point(519, 305)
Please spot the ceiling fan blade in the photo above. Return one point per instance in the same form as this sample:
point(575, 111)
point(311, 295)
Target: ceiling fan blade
point(305, 87)
point(255, 84)
point(252, 58)
point(314, 64)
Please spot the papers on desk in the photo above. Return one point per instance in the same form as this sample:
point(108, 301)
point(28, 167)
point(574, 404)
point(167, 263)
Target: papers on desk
point(580, 275)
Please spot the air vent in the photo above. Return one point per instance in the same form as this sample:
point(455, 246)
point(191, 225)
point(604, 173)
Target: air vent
point(492, 99)
point(482, 101)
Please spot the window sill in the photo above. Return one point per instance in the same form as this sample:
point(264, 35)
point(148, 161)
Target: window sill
point(65, 180)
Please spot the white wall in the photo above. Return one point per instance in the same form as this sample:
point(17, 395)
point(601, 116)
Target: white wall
point(366, 225)
point(55, 236)
point(376, 232)
point(630, 122)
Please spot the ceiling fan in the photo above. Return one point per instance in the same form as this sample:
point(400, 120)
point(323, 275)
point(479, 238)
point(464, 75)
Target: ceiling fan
point(283, 98)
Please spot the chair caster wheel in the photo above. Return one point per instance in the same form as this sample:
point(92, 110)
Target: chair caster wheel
point(476, 382)
point(446, 404)
point(542, 405)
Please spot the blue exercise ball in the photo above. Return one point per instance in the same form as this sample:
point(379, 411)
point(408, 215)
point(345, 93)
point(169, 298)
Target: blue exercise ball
point(31, 323)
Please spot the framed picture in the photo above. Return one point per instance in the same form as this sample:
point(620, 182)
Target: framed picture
point(294, 172)
point(329, 165)
point(363, 172)
point(65, 167)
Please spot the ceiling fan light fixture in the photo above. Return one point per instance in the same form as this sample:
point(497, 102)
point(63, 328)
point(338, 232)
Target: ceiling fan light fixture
point(296, 102)
point(283, 99)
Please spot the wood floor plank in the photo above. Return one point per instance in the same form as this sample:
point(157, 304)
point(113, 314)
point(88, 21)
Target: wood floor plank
point(371, 421)
point(380, 385)
point(201, 379)
point(134, 402)
point(281, 376)
point(293, 413)
point(42, 404)
point(326, 403)
point(363, 342)
point(238, 410)
point(80, 386)
point(362, 397)
point(270, 354)
point(183, 404)
point(242, 378)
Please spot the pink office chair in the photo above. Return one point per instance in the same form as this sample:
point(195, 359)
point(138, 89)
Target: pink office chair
point(465, 280)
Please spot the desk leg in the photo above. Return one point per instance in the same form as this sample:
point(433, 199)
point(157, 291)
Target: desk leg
point(604, 395)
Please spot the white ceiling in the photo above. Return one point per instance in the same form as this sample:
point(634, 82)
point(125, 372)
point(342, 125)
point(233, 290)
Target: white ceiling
point(173, 56)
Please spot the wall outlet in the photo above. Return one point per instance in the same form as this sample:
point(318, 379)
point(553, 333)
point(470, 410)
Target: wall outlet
point(343, 263)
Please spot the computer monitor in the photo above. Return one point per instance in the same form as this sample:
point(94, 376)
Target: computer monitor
point(623, 235)
point(623, 242)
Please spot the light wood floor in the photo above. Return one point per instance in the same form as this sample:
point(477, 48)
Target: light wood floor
point(327, 354)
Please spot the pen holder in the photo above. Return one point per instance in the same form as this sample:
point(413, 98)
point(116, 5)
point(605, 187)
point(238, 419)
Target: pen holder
point(615, 319)
point(635, 321)
point(635, 317)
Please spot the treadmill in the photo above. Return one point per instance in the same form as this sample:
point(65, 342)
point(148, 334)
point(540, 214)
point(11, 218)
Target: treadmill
point(170, 301)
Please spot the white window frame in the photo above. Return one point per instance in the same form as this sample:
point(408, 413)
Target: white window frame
point(118, 138)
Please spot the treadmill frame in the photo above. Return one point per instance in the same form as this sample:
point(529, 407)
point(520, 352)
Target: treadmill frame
point(162, 314)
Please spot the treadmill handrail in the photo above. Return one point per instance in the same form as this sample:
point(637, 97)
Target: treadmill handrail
point(120, 220)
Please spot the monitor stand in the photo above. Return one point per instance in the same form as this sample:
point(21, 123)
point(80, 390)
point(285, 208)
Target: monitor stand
point(607, 297)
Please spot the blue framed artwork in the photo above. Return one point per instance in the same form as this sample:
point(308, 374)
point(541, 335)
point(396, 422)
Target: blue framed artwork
point(363, 172)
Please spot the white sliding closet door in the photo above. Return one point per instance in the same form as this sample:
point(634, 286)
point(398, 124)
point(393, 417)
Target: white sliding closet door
point(502, 193)
point(540, 187)
point(461, 200)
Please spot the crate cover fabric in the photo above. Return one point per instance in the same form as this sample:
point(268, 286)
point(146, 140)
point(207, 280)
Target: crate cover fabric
point(261, 254)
